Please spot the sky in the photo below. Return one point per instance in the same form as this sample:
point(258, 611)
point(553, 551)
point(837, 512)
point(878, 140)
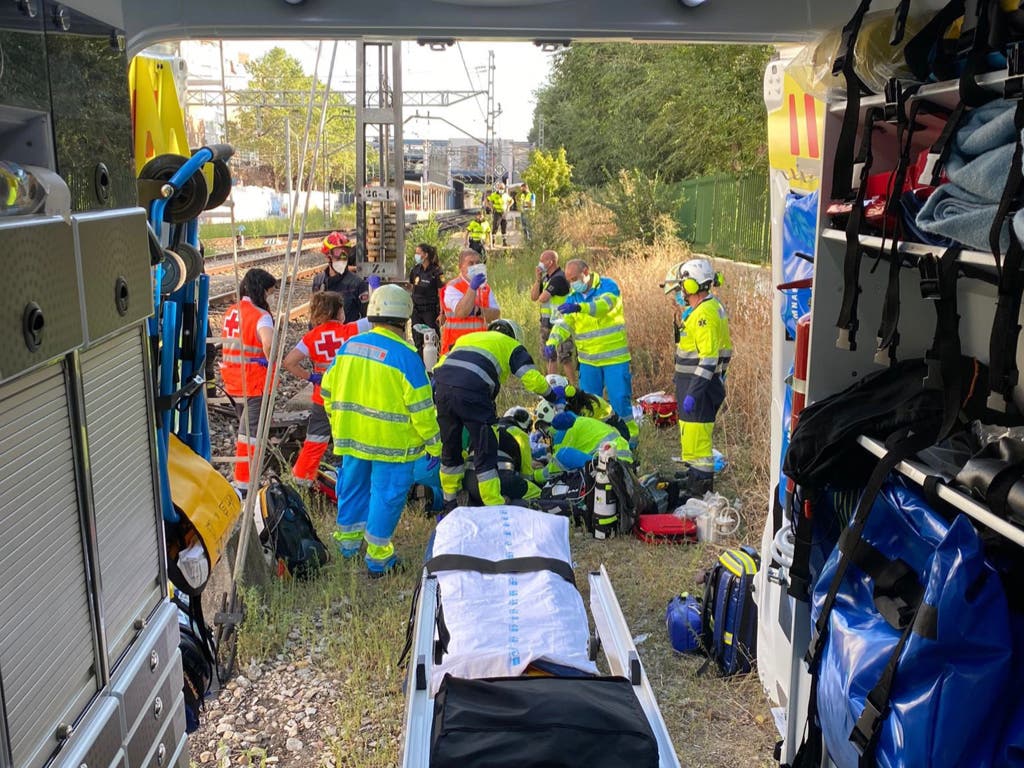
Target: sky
point(520, 68)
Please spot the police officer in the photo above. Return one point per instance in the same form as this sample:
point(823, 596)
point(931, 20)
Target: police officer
point(466, 383)
point(477, 232)
point(702, 359)
point(377, 398)
point(248, 332)
point(427, 281)
point(593, 316)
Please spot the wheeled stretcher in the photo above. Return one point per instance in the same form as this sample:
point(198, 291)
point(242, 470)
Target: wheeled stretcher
point(502, 666)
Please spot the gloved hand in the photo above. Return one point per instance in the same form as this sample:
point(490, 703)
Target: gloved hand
point(260, 361)
point(689, 404)
point(374, 282)
point(477, 280)
point(569, 308)
point(315, 378)
point(564, 420)
point(433, 463)
point(550, 352)
point(557, 396)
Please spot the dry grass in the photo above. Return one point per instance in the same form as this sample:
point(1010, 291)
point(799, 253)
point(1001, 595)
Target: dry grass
point(355, 628)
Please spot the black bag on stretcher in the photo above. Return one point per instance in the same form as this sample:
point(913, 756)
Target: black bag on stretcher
point(555, 722)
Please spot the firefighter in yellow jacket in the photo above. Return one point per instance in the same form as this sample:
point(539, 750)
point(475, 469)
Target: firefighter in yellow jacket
point(702, 358)
point(382, 416)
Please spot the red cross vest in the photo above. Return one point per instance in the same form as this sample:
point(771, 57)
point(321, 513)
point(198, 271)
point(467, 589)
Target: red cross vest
point(240, 324)
point(323, 343)
point(456, 327)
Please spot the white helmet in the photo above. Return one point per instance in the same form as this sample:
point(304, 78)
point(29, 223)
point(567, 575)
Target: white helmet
point(557, 380)
point(520, 417)
point(691, 277)
point(543, 414)
point(509, 327)
point(389, 304)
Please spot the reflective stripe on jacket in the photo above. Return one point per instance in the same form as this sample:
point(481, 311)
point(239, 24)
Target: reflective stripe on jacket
point(599, 328)
point(240, 326)
point(456, 327)
point(487, 359)
point(587, 435)
point(497, 201)
point(478, 230)
point(378, 400)
point(705, 346)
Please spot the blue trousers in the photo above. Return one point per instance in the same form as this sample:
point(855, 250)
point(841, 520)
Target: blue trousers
point(615, 378)
point(371, 497)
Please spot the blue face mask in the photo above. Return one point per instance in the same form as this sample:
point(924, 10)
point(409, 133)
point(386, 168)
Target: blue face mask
point(680, 299)
point(579, 286)
point(417, 258)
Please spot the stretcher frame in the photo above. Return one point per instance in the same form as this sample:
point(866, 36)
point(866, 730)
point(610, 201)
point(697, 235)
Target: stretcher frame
point(612, 636)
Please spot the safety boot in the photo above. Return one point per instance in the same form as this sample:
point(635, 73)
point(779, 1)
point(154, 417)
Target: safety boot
point(699, 482)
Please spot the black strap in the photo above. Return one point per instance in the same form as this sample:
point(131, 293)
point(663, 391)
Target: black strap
point(803, 536)
point(511, 565)
point(945, 364)
point(938, 154)
point(972, 94)
point(410, 627)
point(1003, 373)
point(842, 168)
point(998, 492)
point(847, 322)
point(918, 52)
point(897, 592)
point(899, 23)
point(191, 387)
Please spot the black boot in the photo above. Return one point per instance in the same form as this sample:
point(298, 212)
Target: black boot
point(698, 483)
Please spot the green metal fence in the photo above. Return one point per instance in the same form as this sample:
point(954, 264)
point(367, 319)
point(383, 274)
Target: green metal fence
point(727, 216)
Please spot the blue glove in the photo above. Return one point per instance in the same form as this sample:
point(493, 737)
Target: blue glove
point(433, 463)
point(477, 280)
point(260, 361)
point(374, 282)
point(315, 378)
point(557, 396)
point(689, 404)
point(564, 420)
point(549, 352)
point(569, 307)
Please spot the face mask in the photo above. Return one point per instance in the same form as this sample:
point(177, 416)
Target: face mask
point(540, 265)
point(417, 258)
point(579, 286)
point(680, 299)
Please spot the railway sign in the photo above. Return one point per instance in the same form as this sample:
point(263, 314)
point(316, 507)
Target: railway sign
point(378, 194)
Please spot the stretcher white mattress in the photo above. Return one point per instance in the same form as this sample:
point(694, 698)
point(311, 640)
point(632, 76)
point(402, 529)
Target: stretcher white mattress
point(500, 623)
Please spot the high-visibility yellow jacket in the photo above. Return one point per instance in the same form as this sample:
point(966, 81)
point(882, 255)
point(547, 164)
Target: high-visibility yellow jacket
point(478, 230)
point(379, 401)
point(599, 328)
point(497, 202)
point(487, 359)
point(705, 346)
point(572, 448)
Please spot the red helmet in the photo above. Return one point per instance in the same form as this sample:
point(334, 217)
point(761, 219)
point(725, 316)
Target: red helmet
point(336, 240)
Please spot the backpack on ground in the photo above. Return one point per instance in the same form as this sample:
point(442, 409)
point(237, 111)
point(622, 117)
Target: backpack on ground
point(286, 531)
point(729, 618)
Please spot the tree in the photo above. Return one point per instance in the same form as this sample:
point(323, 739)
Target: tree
point(278, 90)
point(548, 175)
point(678, 111)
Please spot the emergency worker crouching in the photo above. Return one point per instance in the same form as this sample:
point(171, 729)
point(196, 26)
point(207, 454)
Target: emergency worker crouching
point(466, 382)
point(515, 460)
point(587, 404)
point(702, 359)
point(383, 419)
point(248, 333)
point(575, 440)
point(593, 316)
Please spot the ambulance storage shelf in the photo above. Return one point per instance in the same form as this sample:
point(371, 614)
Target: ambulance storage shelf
point(945, 94)
point(918, 473)
point(872, 243)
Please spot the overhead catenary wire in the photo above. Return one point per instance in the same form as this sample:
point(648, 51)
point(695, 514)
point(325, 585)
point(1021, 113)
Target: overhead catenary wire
point(469, 78)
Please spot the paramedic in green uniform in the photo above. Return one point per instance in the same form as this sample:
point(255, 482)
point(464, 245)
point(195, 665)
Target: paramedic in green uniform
point(702, 359)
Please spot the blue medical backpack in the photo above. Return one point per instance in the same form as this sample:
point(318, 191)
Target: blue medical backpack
point(683, 620)
point(729, 619)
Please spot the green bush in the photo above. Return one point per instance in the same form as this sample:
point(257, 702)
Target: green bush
point(642, 207)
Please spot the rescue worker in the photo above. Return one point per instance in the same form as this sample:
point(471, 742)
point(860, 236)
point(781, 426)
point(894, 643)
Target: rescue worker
point(320, 345)
point(466, 382)
point(586, 404)
point(377, 399)
point(248, 333)
point(702, 359)
point(551, 288)
point(340, 274)
point(468, 303)
point(427, 282)
point(593, 316)
point(515, 461)
point(497, 203)
point(525, 202)
point(478, 232)
point(575, 440)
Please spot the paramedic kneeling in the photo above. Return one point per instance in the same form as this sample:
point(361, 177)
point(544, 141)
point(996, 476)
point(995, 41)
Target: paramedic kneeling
point(377, 398)
point(466, 383)
point(575, 440)
point(702, 359)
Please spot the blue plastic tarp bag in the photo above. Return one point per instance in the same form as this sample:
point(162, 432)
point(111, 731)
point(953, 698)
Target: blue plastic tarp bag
point(948, 702)
point(799, 219)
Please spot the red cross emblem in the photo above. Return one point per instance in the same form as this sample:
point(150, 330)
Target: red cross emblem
point(327, 345)
point(231, 324)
